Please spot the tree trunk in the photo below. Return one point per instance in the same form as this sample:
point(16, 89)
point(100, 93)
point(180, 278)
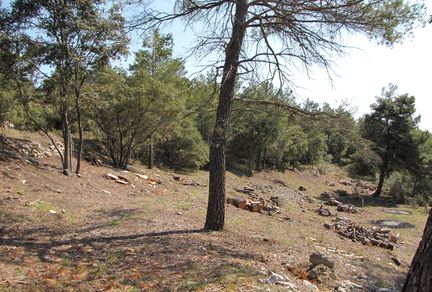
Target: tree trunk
point(419, 277)
point(66, 141)
point(150, 154)
point(264, 158)
point(216, 202)
point(258, 160)
point(378, 191)
point(81, 137)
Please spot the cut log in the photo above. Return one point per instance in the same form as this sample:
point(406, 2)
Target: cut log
point(255, 207)
point(238, 202)
point(122, 182)
point(123, 178)
point(111, 176)
point(143, 176)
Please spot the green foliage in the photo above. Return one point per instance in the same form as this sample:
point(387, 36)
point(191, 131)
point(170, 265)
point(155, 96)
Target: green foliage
point(130, 110)
point(7, 101)
point(184, 148)
point(293, 146)
point(389, 126)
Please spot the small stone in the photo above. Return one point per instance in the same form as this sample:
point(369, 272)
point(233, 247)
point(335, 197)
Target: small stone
point(179, 213)
point(302, 188)
point(58, 191)
point(52, 212)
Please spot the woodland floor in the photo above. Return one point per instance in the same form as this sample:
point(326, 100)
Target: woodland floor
point(105, 236)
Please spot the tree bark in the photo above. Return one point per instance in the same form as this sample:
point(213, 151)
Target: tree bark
point(66, 141)
point(150, 154)
point(378, 191)
point(258, 160)
point(216, 202)
point(419, 277)
point(81, 137)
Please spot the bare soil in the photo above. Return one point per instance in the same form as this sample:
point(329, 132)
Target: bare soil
point(90, 233)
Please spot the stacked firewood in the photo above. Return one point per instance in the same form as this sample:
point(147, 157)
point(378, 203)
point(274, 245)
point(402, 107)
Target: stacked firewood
point(261, 205)
point(342, 207)
point(376, 236)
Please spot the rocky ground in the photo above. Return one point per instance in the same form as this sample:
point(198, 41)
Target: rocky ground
point(140, 230)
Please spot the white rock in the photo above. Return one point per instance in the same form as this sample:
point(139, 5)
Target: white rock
point(290, 286)
point(310, 287)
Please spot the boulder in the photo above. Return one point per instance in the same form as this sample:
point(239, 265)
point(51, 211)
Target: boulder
point(318, 258)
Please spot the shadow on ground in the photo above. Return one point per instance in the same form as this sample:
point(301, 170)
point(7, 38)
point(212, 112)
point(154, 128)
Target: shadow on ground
point(364, 201)
point(86, 259)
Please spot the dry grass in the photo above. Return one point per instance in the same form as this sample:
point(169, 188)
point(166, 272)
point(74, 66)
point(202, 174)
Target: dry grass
point(147, 238)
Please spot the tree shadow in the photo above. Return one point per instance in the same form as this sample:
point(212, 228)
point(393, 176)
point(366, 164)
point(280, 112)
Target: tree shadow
point(164, 259)
point(380, 276)
point(363, 201)
point(8, 152)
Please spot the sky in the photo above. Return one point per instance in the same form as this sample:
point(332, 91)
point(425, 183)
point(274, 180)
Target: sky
point(360, 75)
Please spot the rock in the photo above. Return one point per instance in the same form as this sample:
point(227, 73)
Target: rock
point(318, 258)
point(323, 211)
point(279, 182)
point(313, 274)
point(275, 278)
point(309, 286)
point(177, 178)
point(302, 189)
point(347, 285)
point(345, 182)
point(396, 261)
point(326, 196)
point(288, 285)
point(330, 183)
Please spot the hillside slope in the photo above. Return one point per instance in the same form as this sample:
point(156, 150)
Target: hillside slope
point(93, 233)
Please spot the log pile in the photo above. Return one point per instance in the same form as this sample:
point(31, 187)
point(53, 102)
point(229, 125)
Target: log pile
point(323, 211)
point(261, 205)
point(342, 207)
point(376, 236)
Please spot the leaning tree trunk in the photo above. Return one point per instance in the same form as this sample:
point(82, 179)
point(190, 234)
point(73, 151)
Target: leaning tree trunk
point(378, 191)
point(216, 201)
point(419, 277)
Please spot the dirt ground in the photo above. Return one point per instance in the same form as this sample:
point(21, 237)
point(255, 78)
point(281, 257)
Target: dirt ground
point(91, 233)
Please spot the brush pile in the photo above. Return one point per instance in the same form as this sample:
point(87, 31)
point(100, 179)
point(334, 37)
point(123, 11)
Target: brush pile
point(376, 236)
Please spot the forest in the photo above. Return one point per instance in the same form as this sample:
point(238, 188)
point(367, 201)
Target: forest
point(59, 76)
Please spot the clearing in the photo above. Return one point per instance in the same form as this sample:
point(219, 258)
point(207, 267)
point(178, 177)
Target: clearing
point(94, 233)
